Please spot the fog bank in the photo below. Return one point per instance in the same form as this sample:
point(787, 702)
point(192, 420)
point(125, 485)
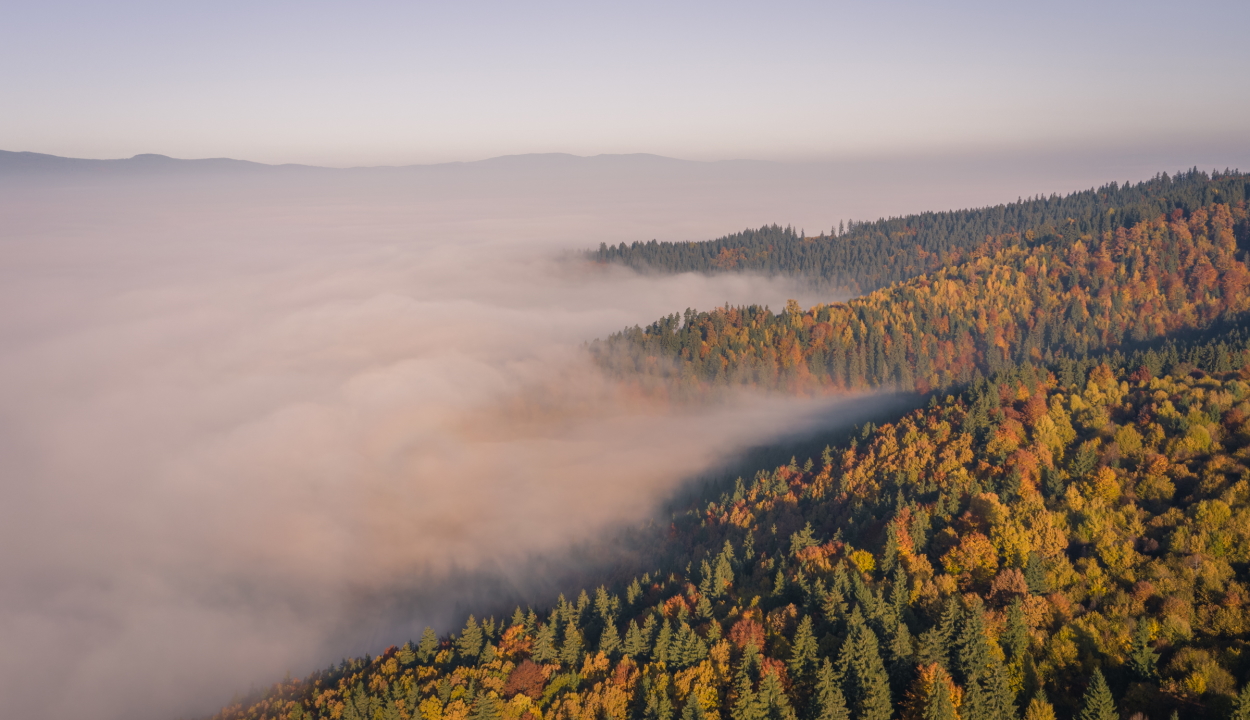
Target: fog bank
point(231, 414)
point(242, 410)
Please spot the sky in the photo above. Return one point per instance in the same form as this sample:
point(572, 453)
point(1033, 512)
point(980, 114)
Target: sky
point(386, 83)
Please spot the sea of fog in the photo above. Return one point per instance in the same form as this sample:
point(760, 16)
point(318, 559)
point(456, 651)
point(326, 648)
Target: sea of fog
point(253, 421)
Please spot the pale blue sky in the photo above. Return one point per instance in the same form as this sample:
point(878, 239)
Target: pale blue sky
point(393, 83)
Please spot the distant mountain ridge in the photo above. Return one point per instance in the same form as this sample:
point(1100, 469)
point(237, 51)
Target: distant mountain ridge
point(33, 162)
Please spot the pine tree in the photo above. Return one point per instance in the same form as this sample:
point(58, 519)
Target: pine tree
point(659, 705)
point(939, 703)
point(428, 645)
point(803, 649)
point(488, 707)
point(830, 702)
point(1016, 635)
point(989, 696)
point(772, 701)
point(635, 643)
point(545, 644)
point(663, 642)
point(723, 576)
point(609, 640)
point(469, 644)
point(1098, 703)
point(866, 683)
point(745, 705)
point(693, 710)
point(571, 650)
point(1142, 659)
point(1241, 708)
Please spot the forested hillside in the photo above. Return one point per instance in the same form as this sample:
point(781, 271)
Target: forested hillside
point(1064, 531)
point(1014, 299)
point(869, 255)
point(1028, 548)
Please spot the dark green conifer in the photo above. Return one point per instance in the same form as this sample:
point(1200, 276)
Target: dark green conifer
point(545, 644)
point(988, 694)
point(771, 699)
point(830, 703)
point(660, 651)
point(609, 640)
point(1016, 634)
point(428, 645)
point(939, 705)
point(865, 681)
point(803, 649)
point(571, 650)
point(1098, 703)
point(1241, 707)
point(1142, 659)
point(635, 643)
point(487, 707)
point(469, 644)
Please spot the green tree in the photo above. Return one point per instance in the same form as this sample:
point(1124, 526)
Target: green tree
point(865, 682)
point(545, 644)
point(571, 650)
point(1098, 703)
point(939, 704)
point(609, 640)
point(989, 695)
point(772, 701)
point(1142, 659)
point(803, 649)
point(830, 701)
point(428, 645)
point(487, 707)
point(1241, 708)
point(635, 643)
point(469, 644)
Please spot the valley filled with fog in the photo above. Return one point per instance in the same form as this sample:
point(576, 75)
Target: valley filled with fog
point(242, 410)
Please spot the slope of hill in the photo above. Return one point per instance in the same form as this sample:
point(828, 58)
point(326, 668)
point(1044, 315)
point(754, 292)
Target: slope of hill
point(1022, 546)
point(1070, 537)
point(870, 255)
point(1015, 298)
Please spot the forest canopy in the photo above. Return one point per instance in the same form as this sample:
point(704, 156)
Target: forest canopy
point(863, 256)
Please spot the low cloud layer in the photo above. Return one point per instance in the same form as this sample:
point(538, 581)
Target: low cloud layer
point(252, 422)
point(227, 417)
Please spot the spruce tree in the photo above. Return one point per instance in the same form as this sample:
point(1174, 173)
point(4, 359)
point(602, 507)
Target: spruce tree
point(609, 640)
point(1098, 703)
point(772, 701)
point(866, 684)
point(939, 705)
point(1142, 659)
point(693, 710)
point(803, 649)
point(545, 644)
point(428, 645)
point(488, 707)
point(1241, 708)
point(830, 702)
point(469, 644)
point(989, 696)
point(663, 642)
point(745, 706)
point(571, 650)
point(635, 643)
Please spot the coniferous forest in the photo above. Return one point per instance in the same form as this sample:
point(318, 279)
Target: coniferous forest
point(1061, 531)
